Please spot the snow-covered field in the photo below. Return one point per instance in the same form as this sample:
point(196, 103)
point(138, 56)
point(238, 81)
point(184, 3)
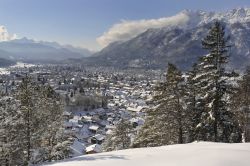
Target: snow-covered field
point(194, 154)
point(22, 65)
point(6, 70)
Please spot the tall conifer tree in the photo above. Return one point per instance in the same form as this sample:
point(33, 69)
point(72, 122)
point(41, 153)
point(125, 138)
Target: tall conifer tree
point(217, 122)
point(166, 123)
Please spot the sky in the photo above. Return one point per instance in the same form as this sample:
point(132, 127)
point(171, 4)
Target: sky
point(87, 23)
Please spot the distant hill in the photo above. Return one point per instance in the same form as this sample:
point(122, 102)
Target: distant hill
point(6, 62)
point(179, 44)
point(33, 51)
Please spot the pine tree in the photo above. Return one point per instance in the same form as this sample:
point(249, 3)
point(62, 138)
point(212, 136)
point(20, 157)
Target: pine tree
point(55, 145)
point(194, 105)
point(26, 97)
point(218, 123)
point(175, 103)
point(241, 103)
point(120, 137)
point(11, 124)
point(41, 116)
point(152, 133)
point(165, 124)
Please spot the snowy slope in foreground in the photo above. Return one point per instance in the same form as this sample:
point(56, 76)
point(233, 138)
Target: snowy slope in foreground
point(194, 154)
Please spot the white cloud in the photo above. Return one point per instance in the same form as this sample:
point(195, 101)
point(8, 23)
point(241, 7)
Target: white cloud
point(5, 36)
point(126, 30)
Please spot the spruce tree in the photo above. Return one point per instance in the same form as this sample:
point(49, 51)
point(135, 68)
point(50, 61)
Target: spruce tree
point(120, 137)
point(166, 123)
point(40, 113)
point(217, 122)
point(174, 102)
point(241, 103)
point(26, 97)
point(11, 125)
point(194, 104)
point(55, 144)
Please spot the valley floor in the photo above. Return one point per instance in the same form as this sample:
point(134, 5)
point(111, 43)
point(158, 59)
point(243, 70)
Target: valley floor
point(193, 154)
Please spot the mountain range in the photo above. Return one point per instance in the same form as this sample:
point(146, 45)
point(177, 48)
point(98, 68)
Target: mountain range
point(28, 50)
point(179, 43)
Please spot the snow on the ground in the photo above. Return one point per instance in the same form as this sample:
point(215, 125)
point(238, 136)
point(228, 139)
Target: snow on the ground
point(22, 65)
point(194, 154)
point(6, 70)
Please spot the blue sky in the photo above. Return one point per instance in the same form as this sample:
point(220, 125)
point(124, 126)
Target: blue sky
point(80, 22)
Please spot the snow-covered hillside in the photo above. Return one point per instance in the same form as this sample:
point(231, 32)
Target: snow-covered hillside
point(186, 19)
point(194, 154)
point(178, 41)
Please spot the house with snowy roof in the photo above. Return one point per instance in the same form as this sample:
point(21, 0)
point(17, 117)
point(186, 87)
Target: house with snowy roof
point(97, 139)
point(93, 128)
point(77, 148)
point(95, 148)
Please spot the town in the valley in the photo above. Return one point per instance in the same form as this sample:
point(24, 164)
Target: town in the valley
point(107, 83)
point(94, 99)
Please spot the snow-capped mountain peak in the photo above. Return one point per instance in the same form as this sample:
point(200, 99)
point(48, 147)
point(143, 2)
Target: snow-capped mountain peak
point(200, 17)
point(186, 19)
point(177, 39)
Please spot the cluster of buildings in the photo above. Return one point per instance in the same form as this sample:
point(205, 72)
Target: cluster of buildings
point(95, 99)
point(124, 98)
